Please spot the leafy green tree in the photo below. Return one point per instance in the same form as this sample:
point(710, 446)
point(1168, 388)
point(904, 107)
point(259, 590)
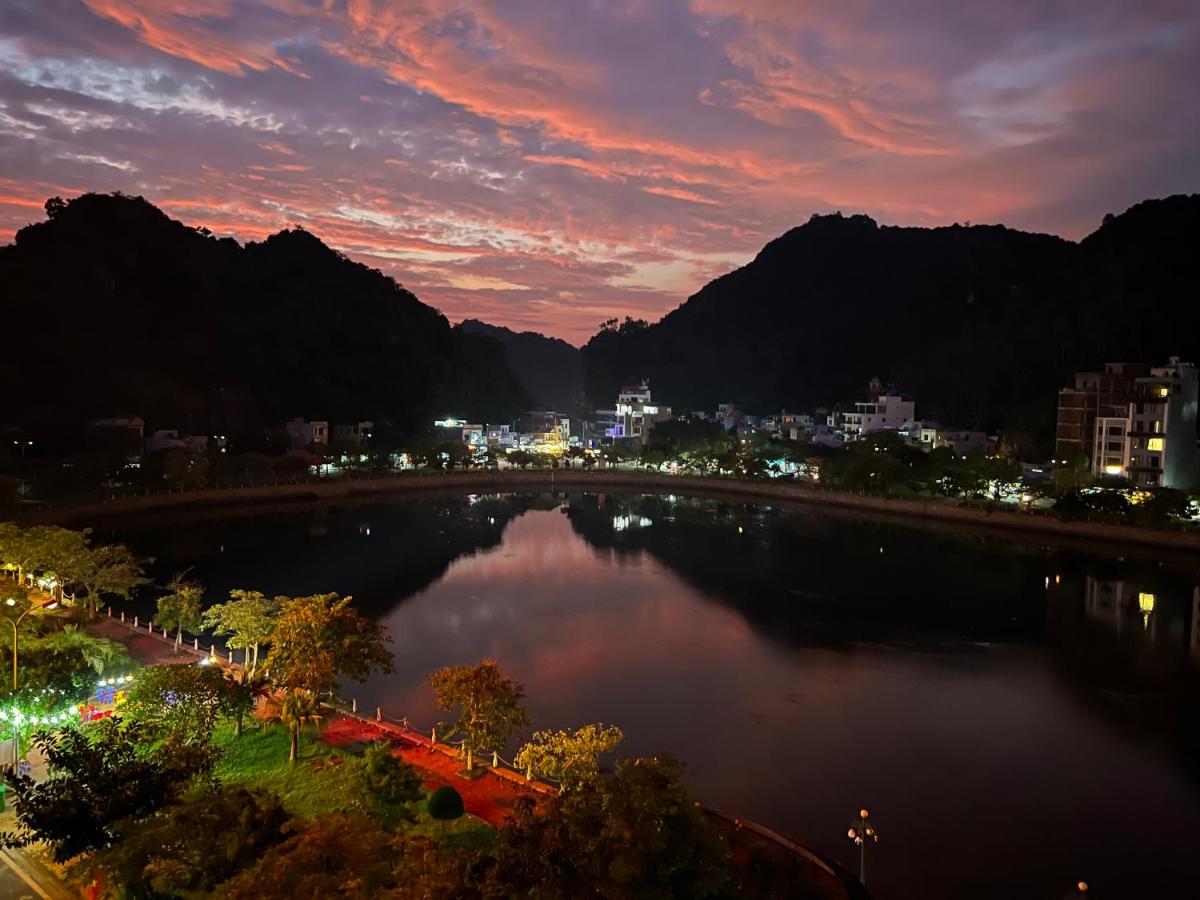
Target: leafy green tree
point(571, 758)
point(520, 458)
point(390, 783)
point(445, 804)
point(179, 608)
point(94, 781)
point(456, 453)
point(178, 702)
point(247, 621)
point(239, 697)
point(425, 867)
point(293, 709)
point(192, 846)
point(488, 704)
point(637, 833)
point(87, 571)
point(109, 570)
point(321, 639)
point(100, 654)
point(343, 856)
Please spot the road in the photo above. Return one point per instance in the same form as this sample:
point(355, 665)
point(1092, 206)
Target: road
point(22, 878)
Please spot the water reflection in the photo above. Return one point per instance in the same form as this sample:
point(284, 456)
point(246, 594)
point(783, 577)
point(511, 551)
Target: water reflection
point(1016, 718)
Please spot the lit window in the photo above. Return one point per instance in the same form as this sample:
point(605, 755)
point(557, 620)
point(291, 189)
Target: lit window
point(1154, 444)
point(1146, 602)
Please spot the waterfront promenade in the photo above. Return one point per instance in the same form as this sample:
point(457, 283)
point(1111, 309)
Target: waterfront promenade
point(492, 795)
point(1032, 524)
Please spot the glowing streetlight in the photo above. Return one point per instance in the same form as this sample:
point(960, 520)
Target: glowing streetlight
point(16, 624)
point(862, 832)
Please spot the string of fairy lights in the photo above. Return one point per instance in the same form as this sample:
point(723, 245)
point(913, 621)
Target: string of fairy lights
point(109, 691)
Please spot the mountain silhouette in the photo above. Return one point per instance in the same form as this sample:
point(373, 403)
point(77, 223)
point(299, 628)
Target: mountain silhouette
point(982, 324)
point(112, 307)
point(549, 369)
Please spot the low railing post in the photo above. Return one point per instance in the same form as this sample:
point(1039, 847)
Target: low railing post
point(135, 621)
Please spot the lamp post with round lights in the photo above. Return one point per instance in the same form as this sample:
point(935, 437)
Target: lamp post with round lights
point(862, 832)
point(16, 624)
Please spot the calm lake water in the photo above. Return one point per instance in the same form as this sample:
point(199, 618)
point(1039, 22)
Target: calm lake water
point(1016, 718)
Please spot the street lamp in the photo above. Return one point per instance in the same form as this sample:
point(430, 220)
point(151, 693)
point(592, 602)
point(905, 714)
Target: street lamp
point(16, 623)
point(861, 831)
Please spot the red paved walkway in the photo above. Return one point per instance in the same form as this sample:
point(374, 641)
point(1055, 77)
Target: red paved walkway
point(489, 797)
point(147, 649)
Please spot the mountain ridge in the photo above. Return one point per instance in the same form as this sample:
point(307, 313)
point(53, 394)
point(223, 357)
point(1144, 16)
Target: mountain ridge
point(256, 334)
point(981, 323)
point(548, 368)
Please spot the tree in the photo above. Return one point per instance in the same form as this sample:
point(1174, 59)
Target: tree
point(571, 758)
point(110, 570)
point(321, 639)
point(180, 607)
point(637, 833)
point(178, 702)
point(445, 804)
point(390, 782)
point(294, 708)
point(344, 856)
point(94, 781)
point(488, 702)
point(248, 621)
point(185, 469)
point(97, 653)
point(193, 846)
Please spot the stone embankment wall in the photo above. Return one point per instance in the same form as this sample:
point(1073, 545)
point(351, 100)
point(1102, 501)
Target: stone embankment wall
point(564, 479)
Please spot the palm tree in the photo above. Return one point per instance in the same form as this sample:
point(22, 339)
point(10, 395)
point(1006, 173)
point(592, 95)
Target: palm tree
point(293, 709)
point(257, 690)
point(97, 652)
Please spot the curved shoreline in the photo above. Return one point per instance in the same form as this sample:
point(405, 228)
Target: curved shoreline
point(1016, 523)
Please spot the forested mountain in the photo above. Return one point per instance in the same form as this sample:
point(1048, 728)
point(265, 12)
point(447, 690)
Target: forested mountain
point(981, 323)
point(549, 369)
point(112, 307)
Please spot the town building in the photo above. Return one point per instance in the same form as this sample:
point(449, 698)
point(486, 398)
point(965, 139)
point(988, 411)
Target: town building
point(1152, 439)
point(357, 433)
point(635, 416)
point(886, 412)
point(1093, 395)
point(120, 434)
point(302, 433)
point(174, 439)
point(930, 435)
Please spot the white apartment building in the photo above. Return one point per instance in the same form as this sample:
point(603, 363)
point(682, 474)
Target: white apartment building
point(635, 415)
point(886, 412)
point(1153, 442)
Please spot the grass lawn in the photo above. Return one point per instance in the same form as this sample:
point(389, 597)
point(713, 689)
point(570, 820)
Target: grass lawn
point(323, 780)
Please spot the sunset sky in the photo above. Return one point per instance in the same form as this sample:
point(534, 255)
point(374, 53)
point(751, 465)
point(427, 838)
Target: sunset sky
point(548, 164)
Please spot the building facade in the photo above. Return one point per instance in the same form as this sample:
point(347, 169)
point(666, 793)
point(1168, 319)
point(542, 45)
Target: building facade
point(1152, 438)
point(303, 434)
point(635, 416)
point(885, 412)
point(1093, 395)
